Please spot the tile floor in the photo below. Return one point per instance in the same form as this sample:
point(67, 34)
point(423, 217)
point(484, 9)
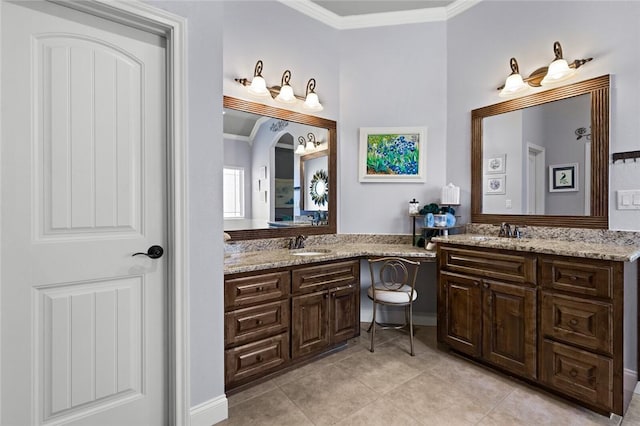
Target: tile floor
point(389, 387)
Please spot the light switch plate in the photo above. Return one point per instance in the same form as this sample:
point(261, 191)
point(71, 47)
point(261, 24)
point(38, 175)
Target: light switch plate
point(629, 199)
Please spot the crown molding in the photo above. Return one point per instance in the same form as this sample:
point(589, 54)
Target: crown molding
point(434, 14)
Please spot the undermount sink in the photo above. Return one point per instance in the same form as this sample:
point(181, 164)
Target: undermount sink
point(309, 252)
point(484, 238)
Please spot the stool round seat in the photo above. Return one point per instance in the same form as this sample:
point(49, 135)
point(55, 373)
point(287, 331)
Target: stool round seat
point(400, 296)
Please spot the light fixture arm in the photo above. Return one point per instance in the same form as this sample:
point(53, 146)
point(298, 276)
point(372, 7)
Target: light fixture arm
point(514, 66)
point(557, 50)
point(257, 71)
point(312, 139)
point(311, 85)
point(286, 78)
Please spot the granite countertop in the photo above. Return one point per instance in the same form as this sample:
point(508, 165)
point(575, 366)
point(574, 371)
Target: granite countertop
point(624, 253)
point(258, 260)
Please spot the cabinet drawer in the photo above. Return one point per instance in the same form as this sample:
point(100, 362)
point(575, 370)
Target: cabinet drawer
point(316, 278)
point(589, 277)
point(247, 324)
point(252, 289)
point(588, 323)
point(488, 263)
point(578, 373)
point(257, 358)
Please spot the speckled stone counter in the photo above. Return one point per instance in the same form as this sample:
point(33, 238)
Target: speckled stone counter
point(590, 250)
point(276, 258)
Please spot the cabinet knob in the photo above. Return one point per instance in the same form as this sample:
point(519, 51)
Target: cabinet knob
point(259, 322)
point(485, 285)
point(259, 289)
point(259, 358)
point(573, 321)
point(326, 295)
point(573, 372)
point(476, 283)
point(573, 278)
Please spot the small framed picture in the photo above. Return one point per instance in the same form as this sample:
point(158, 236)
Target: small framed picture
point(497, 164)
point(563, 177)
point(495, 185)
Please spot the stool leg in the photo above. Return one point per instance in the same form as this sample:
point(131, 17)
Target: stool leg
point(373, 330)
point(411, 327)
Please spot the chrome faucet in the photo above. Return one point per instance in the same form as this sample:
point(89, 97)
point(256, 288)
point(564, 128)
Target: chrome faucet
point(505, 230)
point(297, 242)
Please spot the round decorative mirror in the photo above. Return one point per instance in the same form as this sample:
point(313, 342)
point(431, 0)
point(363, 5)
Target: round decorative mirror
point(319, 188)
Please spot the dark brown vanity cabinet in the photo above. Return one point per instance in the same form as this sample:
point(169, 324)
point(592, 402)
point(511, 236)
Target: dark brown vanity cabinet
point(326, 306)
point(581, 329)
point(487, 307)
point(561, 322)
point(275, 317)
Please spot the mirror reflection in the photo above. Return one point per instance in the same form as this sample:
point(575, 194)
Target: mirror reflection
point(536, 160)
point(542, 159)
point(276, 172)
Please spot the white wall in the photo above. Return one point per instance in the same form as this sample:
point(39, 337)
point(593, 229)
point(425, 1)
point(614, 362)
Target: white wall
point(390, 76)
point(205, 157)
point(481, 40)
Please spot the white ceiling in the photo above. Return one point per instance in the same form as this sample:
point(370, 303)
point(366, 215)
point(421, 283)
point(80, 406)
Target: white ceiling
point(362, 7)
point(350, 14)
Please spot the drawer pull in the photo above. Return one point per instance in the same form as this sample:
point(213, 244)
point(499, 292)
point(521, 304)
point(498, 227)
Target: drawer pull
point(259, 322)
point(573, 373)
point(573, 321)
point(259, 289)
point(259, 358)
point(573, 278)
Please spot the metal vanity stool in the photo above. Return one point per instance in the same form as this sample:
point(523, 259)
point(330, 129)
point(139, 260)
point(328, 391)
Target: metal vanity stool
point(393, 285)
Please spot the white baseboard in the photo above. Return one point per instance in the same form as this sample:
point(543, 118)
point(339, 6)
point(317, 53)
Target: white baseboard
point(210, 412)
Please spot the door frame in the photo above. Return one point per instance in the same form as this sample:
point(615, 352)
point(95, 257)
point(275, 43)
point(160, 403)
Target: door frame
point(173, 27)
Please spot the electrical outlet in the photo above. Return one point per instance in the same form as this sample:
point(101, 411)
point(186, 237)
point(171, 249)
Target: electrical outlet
point(629, 199)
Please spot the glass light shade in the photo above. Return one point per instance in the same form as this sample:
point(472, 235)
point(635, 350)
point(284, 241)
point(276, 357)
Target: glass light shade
point(301, 149)
point(258, 86)
point(312, 103)
point(513, 85)
point(286, 95)
point(558, 71)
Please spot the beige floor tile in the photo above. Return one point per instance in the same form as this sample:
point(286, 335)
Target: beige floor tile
point(382, 370)
point(300, 372)
point(531, 407)
point(328, 395)
point(632, 416)
point(271, 408)
point(432, 399)
point(380, 413)
point(251, 392)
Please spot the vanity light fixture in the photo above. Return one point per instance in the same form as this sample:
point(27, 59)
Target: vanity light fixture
point(559, 70)
point(286, 91)
point(302, 146)
point(283, 93)
point(514, 83)
point(311, 101)
point(305, 145)
point(258, 86)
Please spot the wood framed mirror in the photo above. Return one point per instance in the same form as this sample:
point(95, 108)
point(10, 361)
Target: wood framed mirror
point(274, 199)
point(493, 169)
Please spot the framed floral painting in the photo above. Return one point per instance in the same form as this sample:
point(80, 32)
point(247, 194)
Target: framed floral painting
point(392, 154)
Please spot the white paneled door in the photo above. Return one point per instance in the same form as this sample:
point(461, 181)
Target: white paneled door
point(83, 179)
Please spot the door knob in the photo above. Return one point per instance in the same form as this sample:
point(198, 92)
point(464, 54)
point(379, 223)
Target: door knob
point(154, 252)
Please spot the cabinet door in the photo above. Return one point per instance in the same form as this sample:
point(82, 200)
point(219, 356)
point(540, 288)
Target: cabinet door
point(459, 313)
point(309, 323)
point(509, 327)
point(344, 315)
